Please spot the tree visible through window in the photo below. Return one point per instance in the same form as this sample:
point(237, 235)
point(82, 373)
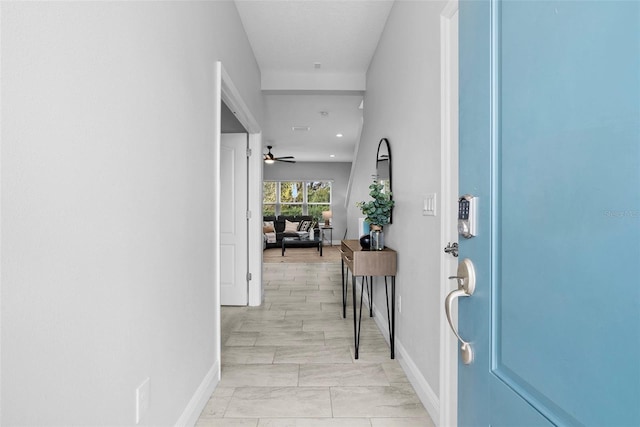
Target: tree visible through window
point(291, 198)
point(318, 198)
point(269, 198)
point(296, 198)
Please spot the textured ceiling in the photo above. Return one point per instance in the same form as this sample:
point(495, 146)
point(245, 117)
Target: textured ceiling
point(288, 38)
point(291, 35)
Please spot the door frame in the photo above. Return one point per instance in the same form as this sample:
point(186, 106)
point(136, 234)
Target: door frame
point(448, 392)
point(225, 90)
point(231, 96)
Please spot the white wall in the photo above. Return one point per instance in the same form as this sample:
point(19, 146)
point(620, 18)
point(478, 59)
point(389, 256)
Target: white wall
point(402, 103)
point(107, 210)
point(336, 171)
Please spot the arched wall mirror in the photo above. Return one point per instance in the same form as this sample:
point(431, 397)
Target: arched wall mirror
point(383, 167)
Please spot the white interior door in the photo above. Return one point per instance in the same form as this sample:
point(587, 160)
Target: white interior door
point(233, 219)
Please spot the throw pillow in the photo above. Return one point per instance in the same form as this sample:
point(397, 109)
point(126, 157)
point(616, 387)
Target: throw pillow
point(290, 227)
point(304, 225)
point(313, 224)
point(267, 227)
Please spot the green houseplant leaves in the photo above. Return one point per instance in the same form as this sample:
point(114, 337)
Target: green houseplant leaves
point(378, 210)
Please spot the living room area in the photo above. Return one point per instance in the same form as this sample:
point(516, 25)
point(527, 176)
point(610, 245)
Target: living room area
point(300, 195)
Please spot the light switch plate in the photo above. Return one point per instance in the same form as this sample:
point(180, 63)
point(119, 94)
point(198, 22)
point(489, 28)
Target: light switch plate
point(429, 207)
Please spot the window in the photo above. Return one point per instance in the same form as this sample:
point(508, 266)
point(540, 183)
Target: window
point(291, 198)
point(269, 198)
point(296, 198)
point(318, 198)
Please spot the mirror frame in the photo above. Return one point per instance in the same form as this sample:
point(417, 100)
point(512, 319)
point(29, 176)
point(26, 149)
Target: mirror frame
point(387, 145)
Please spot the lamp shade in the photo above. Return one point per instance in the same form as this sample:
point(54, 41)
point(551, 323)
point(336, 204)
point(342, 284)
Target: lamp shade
point(326, 215)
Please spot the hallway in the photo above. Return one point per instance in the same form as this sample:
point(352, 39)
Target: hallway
point(289, 363)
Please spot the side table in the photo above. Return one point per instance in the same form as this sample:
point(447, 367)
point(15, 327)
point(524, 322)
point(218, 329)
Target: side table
point(324, 230)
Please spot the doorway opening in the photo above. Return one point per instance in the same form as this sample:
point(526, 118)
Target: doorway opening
point(226, 96)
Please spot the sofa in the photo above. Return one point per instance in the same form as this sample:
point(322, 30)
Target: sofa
point(278, 223)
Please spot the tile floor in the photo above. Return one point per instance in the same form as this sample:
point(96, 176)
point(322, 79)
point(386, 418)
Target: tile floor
point(289, 363)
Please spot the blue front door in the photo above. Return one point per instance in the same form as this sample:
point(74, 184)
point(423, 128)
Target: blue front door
point(550, 143)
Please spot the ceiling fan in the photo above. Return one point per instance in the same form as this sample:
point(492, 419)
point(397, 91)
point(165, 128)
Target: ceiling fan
point(270, 158)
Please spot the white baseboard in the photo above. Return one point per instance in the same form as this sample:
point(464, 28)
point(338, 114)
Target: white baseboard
point(425, 393)
point(200, 398)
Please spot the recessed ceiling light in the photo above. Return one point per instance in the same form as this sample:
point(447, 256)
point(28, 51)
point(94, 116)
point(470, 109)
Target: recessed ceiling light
point(339, 135)
point(332, 155)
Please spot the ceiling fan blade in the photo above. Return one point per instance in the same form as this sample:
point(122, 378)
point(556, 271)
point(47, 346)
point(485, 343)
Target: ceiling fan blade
point(285, 157)
point(279, 159)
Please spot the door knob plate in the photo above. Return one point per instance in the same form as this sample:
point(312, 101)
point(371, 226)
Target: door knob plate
point(466, 270)
point(466, 276)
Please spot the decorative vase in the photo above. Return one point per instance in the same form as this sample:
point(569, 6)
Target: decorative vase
point(377, 238)
point(365, 241)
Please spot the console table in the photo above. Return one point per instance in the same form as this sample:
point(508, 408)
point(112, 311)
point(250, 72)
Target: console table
point(366, 264)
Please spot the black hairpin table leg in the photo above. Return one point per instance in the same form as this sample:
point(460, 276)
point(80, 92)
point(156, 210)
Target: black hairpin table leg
point(356, 335)
point(391, 313)
point(370, 296)
point(344, 291)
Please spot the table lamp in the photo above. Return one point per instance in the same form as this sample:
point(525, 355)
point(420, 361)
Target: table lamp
point(326, 215)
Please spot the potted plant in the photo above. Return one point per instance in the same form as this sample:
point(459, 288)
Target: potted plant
point(377, 213)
